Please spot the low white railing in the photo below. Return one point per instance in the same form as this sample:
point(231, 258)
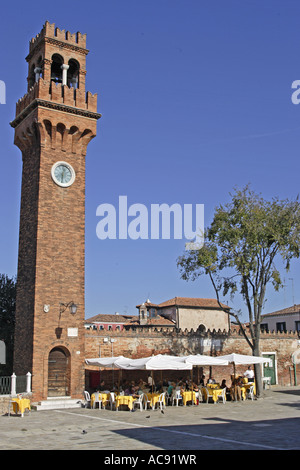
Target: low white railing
point(8, 385)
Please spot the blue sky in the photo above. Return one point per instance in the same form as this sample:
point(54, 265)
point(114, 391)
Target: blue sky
point(195, 98)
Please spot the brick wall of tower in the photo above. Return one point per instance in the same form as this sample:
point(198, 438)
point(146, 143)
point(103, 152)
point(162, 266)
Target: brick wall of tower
point(53, 123)
point(23, 344)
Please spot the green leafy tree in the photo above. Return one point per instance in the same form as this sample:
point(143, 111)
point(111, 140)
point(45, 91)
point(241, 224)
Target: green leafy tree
point(246, 237)
point(7, 318)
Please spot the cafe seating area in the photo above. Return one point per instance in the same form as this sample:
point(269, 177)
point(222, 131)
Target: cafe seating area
point(181, 395)
point(150, 395)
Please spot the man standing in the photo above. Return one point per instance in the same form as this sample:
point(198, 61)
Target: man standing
point(249, 374)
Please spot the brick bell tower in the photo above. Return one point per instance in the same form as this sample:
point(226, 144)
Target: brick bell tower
point(55, 121)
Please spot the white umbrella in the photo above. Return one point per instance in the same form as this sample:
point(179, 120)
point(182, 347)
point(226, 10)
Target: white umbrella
point(238, 359)
point(159, 362)
point(107, 361)
point(245, 359)
point(202, 360)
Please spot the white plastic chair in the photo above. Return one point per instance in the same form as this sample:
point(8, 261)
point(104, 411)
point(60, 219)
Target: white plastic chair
point(200, 396)
point(209, 394)
point(250, 393)
point(87, 398)
point(146, 401)
point(97, 399)
point(139, 402)
point(176, 397)
point(112, 401)
point(161, 401)
point(222, 396)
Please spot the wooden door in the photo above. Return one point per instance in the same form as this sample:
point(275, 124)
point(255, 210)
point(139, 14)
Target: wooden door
point(58, 373)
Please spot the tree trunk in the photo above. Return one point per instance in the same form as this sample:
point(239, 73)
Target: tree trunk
point(257, 370)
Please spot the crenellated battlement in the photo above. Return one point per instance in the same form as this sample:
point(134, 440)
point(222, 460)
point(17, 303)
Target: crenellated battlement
point(158, 331)
point(270, 333)
point(153, 331)
point(50, 31)
point(58, 94)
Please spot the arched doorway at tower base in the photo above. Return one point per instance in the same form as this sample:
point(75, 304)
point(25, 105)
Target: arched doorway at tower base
point(59, 367)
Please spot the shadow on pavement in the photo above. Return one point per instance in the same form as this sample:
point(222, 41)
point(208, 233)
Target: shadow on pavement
point(226, 434)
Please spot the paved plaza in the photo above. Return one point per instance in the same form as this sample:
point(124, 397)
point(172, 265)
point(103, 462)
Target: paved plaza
point(270, 423)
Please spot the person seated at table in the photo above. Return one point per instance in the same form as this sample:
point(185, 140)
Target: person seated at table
point(170, 389)
point(202, 380)
point(158, 387)
point(235, 389)
point(179, 385)
point(102, 386)
point(137, 390)
point(249, 374)
point(134, 392)
point(211, 380)
point(187, 385)
point(127, 389)
point(224, 385)
point(195, 388)
point(142, 384)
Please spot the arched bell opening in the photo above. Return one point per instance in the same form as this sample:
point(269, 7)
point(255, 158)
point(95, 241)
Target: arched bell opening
point(73, 74)
point(35, 72)
point(56, 69)
point(59, 372)
point(31, 77)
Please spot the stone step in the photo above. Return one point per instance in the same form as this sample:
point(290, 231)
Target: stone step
point(57, 403)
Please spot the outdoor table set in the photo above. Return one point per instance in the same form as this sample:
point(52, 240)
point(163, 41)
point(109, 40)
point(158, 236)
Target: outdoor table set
point(188, 396)
point(213, 391)
point(245, 388)
point(19, 405)
point(128, 400)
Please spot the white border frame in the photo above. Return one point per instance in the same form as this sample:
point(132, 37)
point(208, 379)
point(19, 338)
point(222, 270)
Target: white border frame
point(73, 176)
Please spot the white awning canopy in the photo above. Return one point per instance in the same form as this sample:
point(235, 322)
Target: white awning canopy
point(202, 360)
point(245, 359)
point(107, 361)
point(159, 362)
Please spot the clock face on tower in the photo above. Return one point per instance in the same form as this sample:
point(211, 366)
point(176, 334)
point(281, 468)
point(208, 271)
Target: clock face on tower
point(63, 174)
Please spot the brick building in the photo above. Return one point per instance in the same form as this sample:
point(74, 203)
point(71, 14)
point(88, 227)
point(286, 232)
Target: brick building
point(55, 120)
point(108, 322)
point(286, 319)
point(193, 313)
point(179, 312)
